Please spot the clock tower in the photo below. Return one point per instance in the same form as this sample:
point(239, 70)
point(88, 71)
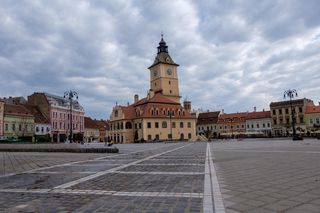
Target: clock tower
point(164, 75)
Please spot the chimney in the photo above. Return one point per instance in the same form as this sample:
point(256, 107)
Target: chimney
point(254, 109)
point(136, 98)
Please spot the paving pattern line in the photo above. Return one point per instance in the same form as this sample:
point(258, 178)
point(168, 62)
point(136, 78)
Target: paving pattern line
point(269, 151)
point(217, 196)
point(98, 174)
point(208, 204)
point(159, 173)
point(169, 164)
point(50, 172)
point(75, 162)
point(104, 192)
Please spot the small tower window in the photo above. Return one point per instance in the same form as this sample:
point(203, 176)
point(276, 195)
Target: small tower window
point(170, 91)
point(169, 82)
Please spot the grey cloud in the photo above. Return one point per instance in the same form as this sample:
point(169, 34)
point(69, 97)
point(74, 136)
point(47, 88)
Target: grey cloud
point(233, 54)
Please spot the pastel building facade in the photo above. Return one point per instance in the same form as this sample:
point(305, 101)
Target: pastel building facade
point(259, 123)
point(103, 130)
point(18, 122)
point(232, 124)
point(281, 116)
point(207, 124)
point(42, 130)
point(57, 109)
point(312, 117)
point(91, 130)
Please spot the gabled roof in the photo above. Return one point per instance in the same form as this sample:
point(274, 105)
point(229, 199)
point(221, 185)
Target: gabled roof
point(208, 118)
point(38, 116)
point(89, 123)
point(16, 109)
point(258, 115)
point(312, 109)
point(102, 124)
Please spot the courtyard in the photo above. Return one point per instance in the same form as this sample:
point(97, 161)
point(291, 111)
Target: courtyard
point(251, 175)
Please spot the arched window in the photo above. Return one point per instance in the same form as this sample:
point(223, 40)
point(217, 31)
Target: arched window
point(164, 124)
point(116, 113)
point(128, 125)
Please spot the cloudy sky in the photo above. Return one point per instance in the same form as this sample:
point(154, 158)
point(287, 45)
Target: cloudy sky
point(233, 54)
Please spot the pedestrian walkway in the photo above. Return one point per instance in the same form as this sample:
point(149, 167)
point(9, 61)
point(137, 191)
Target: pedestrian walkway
point(166, 178)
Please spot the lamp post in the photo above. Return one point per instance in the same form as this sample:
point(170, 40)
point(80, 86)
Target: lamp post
point(70, 95)
point(291, 93)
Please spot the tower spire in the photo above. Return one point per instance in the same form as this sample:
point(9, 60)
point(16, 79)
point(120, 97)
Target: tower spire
point(162, 45)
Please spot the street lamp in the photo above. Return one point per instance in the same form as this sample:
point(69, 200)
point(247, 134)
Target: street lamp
point(291, 93)
point(70, 95)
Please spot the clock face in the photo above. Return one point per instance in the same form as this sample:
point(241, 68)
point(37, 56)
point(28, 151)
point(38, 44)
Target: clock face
point(169, 71)
point(155, 73)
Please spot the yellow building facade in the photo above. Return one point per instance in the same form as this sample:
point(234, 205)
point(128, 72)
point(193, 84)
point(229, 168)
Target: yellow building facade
point(159, 116)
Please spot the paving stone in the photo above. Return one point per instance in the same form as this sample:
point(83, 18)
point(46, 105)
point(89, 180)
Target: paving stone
point(37, 181)
point(165, 168)
point(305, 208)
point(280, 174)
point(145, 183)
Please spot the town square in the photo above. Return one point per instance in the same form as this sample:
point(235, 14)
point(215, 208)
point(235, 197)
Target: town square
point(251, 175)
point(160, 106)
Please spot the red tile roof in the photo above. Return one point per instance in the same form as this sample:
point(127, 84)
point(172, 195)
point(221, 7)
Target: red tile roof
point(102, 124)
point(312, 109)
point(232, 118)
point(258, 115)
point(158, 103)
point(90, 123)
point(16, 109)
point(208, 117)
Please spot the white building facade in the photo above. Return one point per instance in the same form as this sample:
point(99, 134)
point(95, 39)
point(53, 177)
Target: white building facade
point(259, 123)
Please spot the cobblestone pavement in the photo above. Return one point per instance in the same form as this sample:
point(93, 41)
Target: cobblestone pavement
point(146, 178)
point(223, 176)
point(269, 175)
point(17, 162)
